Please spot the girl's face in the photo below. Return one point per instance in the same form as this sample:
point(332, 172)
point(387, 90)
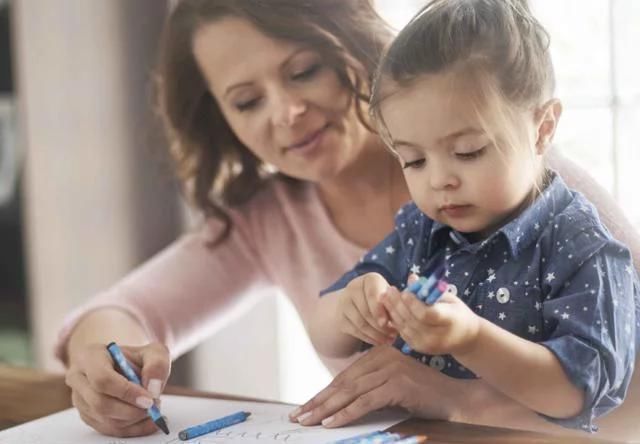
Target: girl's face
point(280, 98)
point(454, 172)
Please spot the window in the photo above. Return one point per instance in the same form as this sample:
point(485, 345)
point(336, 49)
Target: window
point(592, 42)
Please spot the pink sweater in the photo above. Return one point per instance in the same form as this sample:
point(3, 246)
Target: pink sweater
point(186, 292)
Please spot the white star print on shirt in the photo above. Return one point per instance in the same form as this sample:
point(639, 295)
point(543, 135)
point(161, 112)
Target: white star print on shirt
point(533, 329)
point(415, 269)
point(491, 278)
point(550, 277)
point(565, 315)
point(390, 250)
point(502, 316)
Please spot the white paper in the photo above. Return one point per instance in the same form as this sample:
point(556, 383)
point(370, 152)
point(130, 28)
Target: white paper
point(268, 423)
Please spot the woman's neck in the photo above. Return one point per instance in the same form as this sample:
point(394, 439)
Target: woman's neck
point(364, 198)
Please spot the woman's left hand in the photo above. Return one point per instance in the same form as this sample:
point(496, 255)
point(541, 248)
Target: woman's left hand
point(384, 377)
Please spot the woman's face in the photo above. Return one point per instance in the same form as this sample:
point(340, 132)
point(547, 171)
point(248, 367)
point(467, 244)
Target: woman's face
point(281, 99)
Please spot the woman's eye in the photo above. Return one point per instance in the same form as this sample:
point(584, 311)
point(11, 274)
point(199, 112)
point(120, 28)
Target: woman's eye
point(247, 104)
point(307, 73)
point(413, 164)
point(472, 155)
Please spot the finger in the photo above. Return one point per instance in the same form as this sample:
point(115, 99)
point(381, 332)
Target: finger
point(362, 330)
point(412, 278)
point(361, 303)
point(156, 366)
point(104, 379)
point(142, 428)
point(342, 396)
point(396, 309)
point(102, 406)
point(378, 357)
point(374, 286)
point(370, 401)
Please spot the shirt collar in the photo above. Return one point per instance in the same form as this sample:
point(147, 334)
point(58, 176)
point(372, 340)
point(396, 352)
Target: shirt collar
point(527, 226)
point(520, 232)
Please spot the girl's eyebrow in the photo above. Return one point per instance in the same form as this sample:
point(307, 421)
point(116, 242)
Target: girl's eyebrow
point(464, 132)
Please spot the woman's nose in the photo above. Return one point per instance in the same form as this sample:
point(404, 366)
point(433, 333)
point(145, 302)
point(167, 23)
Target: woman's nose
point(288, 109)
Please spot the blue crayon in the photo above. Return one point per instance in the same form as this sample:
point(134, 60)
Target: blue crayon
point(417, 439)
point(428, 290)
point(212, 426)
point(377, 437)
point(130, 374)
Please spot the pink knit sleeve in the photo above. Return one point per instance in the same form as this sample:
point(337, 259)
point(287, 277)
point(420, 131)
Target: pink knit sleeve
point(186, 292)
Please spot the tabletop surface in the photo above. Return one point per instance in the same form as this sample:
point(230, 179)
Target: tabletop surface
point(27, 394)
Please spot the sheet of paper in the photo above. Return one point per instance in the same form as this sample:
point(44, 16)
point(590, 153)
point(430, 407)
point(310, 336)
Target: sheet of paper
point(268, 423)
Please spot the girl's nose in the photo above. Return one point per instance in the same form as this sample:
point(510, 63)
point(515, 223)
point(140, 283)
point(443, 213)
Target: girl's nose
point(288, 109)
point(441, 178)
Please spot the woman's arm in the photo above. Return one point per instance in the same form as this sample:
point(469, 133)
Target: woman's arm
point(102, 326)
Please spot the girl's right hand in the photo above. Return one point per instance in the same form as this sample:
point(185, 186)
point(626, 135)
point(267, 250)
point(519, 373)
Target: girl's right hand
point(362, 313)
point(109, 402)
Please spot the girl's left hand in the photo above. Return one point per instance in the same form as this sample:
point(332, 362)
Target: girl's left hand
point(446, 327)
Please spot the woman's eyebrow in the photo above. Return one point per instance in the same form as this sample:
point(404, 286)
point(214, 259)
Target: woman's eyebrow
point(249, 83)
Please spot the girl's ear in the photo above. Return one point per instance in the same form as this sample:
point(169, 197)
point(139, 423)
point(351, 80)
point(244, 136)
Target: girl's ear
point(547, 118)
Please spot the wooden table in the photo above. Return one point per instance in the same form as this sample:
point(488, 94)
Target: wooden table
point(27, 394)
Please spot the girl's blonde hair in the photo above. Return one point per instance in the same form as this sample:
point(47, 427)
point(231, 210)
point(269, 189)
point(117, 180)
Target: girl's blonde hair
point(496, 45)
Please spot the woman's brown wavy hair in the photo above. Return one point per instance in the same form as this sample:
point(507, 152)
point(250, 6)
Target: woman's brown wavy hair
point(216, 169)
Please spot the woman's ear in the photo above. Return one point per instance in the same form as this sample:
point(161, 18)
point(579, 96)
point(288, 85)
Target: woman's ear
point(547, 118)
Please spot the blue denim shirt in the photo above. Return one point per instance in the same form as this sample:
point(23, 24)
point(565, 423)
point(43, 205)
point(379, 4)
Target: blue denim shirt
point(553, 275)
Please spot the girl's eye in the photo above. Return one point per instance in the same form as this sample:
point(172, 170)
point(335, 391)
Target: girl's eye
point(247, 104)
point(307, 73)
point(472, 155)
point(413, 164)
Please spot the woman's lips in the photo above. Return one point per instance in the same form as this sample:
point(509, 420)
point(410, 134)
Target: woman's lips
point(309, 143)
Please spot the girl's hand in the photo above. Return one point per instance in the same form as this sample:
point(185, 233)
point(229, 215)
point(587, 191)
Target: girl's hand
point(106, 400)
point(446, 327)
point(361, 313)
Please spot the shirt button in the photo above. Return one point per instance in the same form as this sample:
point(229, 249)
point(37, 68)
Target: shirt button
point(452, 289)
point(503, 295)
point(437, 362)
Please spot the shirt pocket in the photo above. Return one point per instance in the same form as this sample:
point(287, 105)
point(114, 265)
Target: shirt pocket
point(516, 308)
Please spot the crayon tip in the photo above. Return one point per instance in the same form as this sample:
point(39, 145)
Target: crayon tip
point(162, 425)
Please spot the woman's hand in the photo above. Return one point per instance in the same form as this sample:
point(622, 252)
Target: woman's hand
point(360, 311)
point(447, 327)
point(384, 377)
point(106, 400)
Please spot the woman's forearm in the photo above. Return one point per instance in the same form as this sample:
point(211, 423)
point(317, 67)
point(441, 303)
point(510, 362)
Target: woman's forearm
point(102, 326)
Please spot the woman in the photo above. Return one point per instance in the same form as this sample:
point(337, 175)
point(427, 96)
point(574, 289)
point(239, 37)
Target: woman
point(248, 88)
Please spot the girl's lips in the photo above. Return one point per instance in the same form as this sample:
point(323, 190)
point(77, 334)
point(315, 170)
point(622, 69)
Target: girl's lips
point(456, 210)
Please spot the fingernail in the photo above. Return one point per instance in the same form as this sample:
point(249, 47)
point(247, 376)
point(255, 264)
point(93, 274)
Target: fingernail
point(328, 420)
point(302, 417)
point(295, 413)
point(144, 402)
point(154, 387)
